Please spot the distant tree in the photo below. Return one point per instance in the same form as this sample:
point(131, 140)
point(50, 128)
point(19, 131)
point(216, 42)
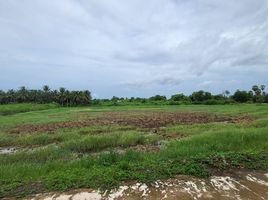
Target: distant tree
point(115, 99)
point(226, 93)
point(178, 97)
point(158, 98)
point(22, 95)
point(96, 102)
point(132, 99)
point(251, 94)
point(265, 98)
point(46, 97)
point(143, 100)
point(259, 93)
point(46, 88)
point(201, 96)
point(2, 97)
point(256, 90)
point(62, 97)
point(62, 90)
point(262, 89)
point(73, 98)
point(241, 96)
point(87, 98)
point(220, 97)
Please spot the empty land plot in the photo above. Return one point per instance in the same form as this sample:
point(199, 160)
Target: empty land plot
point(100, 147)
point(141, 120)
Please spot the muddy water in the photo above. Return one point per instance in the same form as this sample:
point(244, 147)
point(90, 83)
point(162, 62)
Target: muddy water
point(7, 150)
point(241, 185)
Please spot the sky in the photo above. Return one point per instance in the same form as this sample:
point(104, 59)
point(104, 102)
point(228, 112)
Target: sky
point(134, 47)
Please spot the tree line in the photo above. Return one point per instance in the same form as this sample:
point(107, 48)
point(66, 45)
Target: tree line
point(66, 97)
point(62, 96)
point(255, 95)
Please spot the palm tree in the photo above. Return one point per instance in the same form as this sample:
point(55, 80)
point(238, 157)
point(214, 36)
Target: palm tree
point(22, 95)
point(227, 93)
point(62, 95)
point(262, 89)
point(46, 88)
point(46, 94)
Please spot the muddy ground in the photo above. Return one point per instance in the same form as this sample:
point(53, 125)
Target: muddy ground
point(152, 120)
point(239, 186)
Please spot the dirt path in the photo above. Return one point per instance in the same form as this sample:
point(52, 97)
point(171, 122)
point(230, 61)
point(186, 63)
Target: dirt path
point(241, 185)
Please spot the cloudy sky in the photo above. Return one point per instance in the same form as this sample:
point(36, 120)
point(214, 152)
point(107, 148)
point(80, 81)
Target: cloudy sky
point(134, 47)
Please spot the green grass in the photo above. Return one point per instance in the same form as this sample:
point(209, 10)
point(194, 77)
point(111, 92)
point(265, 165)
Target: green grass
point(99, 142)
point(63, 159)
point(58, 114)
point(73, 113)
point(10, 109)
point(233, 140)
point(74, 135)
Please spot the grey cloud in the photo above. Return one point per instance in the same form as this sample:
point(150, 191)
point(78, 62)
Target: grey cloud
point(150, 45)
point(164, 81)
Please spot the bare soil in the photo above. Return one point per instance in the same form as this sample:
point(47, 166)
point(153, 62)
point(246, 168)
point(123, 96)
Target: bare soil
point(152, 120)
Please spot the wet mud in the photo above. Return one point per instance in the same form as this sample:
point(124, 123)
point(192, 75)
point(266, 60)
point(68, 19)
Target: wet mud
point(8, 150)
point(241, 185)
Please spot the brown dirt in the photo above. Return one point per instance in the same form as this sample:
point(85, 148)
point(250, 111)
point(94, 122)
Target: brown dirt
point(152, 120)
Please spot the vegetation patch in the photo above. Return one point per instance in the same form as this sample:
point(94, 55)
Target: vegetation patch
point(10, 109)
point(99, 142)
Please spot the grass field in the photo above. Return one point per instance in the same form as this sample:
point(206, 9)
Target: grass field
point(23, 107)
point(99, 147)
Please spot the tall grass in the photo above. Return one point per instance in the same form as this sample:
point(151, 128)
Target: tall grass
point(5, 140)
point(9, 109)
point(36, 156)
point(59, 136)
point(118, 139)
point(232, 140)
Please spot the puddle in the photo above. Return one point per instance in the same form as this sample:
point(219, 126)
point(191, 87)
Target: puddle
point(241, 185)
point(7, 150)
